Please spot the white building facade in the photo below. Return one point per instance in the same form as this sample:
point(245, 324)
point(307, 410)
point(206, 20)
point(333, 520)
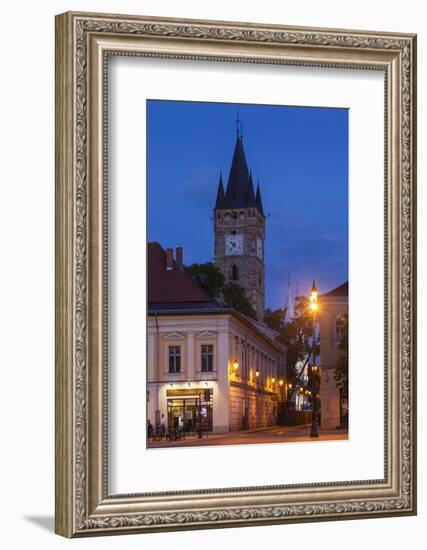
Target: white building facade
point(215, 370)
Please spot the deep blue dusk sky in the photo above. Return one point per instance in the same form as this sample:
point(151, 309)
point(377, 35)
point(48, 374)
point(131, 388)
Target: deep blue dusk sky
point(299, 155)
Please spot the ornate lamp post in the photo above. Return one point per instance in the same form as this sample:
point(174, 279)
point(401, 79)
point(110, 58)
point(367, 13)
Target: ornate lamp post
point(314, 306)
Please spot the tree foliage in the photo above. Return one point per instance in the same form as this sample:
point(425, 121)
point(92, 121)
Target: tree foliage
point(275, 319)
point(230, 294)
point(298, 333)
point(233, 295)
point(208, 276)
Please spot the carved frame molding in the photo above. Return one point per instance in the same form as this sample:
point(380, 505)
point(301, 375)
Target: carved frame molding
point(83, 44)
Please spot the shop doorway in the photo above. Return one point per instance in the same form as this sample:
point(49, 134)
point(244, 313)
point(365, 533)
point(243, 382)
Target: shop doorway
point(190, 412)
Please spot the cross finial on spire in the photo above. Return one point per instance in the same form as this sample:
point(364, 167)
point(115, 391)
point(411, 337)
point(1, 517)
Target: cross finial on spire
point(237, 121)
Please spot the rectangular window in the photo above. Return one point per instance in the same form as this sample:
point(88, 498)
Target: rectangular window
point(174, 358)
point(207, 358)
point(339, 329)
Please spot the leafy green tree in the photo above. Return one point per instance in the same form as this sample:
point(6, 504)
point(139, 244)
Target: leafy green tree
point(275, 319)
point(298, 333)
point(341, 370)
point(233, 295)
point(230, 294)
point(209, 277)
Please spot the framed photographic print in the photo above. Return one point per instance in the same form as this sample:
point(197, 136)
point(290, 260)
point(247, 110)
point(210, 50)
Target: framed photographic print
point(235, 274)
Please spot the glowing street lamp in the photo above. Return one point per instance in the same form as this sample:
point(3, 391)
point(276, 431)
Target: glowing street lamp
point(235, 364)
point(314, 306)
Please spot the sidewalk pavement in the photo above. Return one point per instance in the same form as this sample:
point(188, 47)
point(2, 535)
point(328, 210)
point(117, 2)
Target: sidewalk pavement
point(275, 434)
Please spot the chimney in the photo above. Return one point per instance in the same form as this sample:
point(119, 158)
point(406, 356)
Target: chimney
point(169, 259)
point(179, 256)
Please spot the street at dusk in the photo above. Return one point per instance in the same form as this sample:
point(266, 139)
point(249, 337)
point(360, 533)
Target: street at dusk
point(247, 305)
point(276, 434)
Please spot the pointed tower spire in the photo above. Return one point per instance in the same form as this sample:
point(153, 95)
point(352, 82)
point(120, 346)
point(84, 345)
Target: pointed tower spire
point(289, 305)
point(258, 200)
point(250, 195)
point(220, 195)
point(238, 180)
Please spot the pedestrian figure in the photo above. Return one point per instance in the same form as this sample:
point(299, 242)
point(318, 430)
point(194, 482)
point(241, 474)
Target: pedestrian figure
point(149, 429)
point(163, 426)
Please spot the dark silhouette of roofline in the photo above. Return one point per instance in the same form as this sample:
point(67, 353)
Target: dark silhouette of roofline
point(339, 291)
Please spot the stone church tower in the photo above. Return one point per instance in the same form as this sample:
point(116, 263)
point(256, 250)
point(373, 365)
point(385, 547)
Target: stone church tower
point(239, 226)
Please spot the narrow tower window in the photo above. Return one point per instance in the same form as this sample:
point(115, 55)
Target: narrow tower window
point(234, 273)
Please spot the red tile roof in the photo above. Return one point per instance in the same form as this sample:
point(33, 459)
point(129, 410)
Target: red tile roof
point(170, 286)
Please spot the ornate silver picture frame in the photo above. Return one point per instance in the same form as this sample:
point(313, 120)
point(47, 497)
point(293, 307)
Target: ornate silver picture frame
point(84, 43)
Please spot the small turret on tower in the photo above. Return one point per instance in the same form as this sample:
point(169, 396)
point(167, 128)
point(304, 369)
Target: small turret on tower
point(220, 196)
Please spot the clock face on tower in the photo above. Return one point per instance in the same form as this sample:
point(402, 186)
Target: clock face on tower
point(233, 245)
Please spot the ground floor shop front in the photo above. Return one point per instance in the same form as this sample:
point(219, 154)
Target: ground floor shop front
point(190, 410)
point(205, 406)
point(188, 406)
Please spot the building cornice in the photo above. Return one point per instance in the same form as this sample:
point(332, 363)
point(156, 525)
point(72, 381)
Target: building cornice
point(221, 312)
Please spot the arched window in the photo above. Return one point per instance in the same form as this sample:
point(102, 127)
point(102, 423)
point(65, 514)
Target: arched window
point(234, 273)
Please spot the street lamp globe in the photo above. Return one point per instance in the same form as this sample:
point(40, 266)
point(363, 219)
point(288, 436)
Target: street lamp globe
point(313, 298)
